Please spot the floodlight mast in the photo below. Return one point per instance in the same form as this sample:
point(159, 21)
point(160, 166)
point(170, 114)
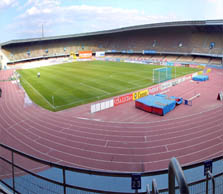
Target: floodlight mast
point(42, 31)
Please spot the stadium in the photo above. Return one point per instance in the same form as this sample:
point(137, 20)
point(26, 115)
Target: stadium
point(70, 122)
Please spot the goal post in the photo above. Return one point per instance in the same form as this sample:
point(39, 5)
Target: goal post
point(162, 74)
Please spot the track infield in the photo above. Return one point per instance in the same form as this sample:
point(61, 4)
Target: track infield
point(71, 84)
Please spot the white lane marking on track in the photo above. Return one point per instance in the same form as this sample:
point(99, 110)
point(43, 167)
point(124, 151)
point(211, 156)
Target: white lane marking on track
point(160, 121)
point(115, 162)
point(88, 119)
point(138, 148)
point(106, 143)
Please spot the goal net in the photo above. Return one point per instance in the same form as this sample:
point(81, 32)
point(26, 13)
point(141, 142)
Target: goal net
point(162, 74)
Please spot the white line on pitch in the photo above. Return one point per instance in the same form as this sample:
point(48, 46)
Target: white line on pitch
point(95, 88)
point(82, 100)
point(39, 93)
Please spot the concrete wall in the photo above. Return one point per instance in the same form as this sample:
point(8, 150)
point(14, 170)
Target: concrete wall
point(3, 60)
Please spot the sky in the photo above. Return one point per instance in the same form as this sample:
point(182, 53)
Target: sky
point(22, 19)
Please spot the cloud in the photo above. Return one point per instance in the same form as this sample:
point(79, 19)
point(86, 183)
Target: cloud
point(35, 7)
point(216, 9)
point(59, 19)
point(8, 3)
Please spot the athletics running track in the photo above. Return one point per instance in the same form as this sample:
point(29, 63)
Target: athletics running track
point(119, 139)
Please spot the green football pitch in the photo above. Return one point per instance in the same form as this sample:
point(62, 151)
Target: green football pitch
point(71, 84)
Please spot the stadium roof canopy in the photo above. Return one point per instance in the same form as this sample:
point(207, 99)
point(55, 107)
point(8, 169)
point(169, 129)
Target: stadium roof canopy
point(200, 25)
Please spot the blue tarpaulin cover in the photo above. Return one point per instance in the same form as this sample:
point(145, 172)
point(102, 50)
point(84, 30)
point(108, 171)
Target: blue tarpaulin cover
point(200, 78)
point(159, 101)
point(178, 99)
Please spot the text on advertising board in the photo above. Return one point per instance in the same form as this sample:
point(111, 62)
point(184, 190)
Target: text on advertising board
point(139, 94)
point(122, 99)
point(85, 54)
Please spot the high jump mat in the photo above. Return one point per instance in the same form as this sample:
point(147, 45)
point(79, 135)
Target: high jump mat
point(158, 104)
point(200, 78)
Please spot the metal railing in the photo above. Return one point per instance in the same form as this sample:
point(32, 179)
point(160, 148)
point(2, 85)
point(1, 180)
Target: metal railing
point(18, 177)
point(175, 170)
point(154, 187)
point(209, 174)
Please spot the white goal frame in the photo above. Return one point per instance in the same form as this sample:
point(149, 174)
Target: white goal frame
point(159, 78)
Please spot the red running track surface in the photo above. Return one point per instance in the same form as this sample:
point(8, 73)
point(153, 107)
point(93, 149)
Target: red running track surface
point(122, 138)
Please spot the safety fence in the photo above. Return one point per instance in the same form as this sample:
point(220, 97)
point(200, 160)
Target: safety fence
point(22, 173)
point(199, 187)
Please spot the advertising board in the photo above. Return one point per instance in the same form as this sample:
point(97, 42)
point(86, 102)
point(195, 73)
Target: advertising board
point(154, 89)
point(139, 94)
point(100, 54)
point(122, 99)
point(85, 54)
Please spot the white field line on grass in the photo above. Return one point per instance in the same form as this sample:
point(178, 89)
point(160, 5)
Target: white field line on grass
point(138, 73)
point(97, 81)
point(81, 100)
point(110, 77)
point(132, 83)
point(36, 91)
point(105, 78)
point(92, 87)
point(136, 81)
point(114, 78)
point(96, 97)
point(133, 73)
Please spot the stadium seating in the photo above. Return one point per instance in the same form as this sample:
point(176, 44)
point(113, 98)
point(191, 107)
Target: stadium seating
point(181, 45)
point(170, 58)
point(168, 45)
point(204, 60)
point(215, 61)
point(185, 58)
